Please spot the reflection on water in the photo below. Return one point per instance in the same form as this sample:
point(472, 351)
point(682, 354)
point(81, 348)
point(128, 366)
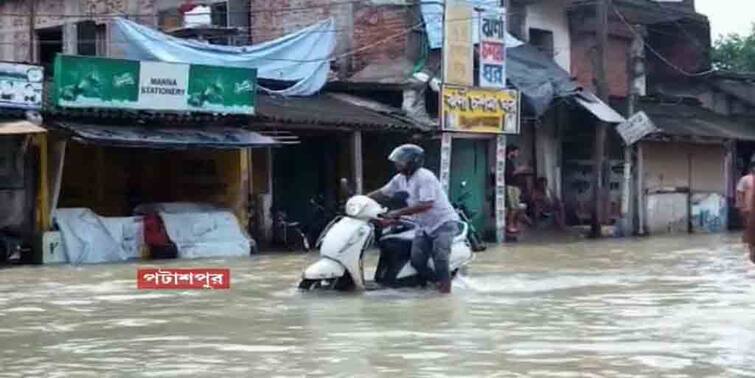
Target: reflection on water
point(671, 307)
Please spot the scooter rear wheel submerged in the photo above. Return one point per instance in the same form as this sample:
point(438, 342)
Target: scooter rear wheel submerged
point(306, 284)
point(343, 283)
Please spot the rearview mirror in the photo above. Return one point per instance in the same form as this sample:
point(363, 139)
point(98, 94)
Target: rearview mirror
point(344, 184)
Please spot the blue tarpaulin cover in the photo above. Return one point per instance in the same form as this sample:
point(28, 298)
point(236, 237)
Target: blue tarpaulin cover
point(302, 58)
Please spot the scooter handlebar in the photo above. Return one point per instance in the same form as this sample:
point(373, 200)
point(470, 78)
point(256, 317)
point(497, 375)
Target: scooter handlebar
point(385, 222)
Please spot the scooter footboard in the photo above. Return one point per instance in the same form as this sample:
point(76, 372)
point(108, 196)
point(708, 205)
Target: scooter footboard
point(395, 253)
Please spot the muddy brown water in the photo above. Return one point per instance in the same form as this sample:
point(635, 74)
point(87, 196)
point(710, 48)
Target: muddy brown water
point(656, 307)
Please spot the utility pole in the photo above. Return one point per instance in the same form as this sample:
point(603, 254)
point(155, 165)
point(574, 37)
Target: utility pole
point(601, 83)
point(636, 90)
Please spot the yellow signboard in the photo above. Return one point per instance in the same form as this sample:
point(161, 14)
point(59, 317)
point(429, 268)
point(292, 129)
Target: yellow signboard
point(458, 48)
point(479, 110)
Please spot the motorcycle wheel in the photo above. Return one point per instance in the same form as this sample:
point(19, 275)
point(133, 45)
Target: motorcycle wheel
point(309, 285)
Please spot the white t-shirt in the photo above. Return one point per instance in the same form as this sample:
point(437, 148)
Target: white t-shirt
point(423, 186)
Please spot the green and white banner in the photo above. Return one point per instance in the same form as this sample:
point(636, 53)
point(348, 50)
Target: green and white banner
point(90, 82)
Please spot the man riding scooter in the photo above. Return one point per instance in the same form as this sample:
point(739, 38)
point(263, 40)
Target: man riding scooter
point(429, 205)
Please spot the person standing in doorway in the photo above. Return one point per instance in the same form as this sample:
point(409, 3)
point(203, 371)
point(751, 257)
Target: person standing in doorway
point(429, 205)
point(746, 205)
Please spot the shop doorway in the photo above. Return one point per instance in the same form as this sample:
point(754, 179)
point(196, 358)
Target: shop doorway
point(469, 175)
point(309, 171)
point(117, 180)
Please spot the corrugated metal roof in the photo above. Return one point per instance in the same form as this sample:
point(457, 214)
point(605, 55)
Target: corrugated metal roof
point(540, 80)
point(167, 138)
point(327, 110)
point(741, 88)
point(684, 119)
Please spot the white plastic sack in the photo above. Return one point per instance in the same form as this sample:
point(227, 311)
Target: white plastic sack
point(89, 238)
point(206, 234)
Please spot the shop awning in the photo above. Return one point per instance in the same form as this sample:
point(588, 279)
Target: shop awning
point(692, 120)
point(333, 111)
point(541, 80)
point(167, 138)
point(598, 108)
point(20, 127)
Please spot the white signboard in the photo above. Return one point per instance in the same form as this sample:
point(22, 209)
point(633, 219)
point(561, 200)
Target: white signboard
point(492, 49)
point(636, 127)
point(21, 86)
point(164, 84)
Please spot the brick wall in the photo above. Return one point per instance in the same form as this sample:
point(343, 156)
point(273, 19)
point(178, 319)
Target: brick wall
point(14, 30)
point(271, 19)
point(685, 44)
point(583, 46)
point(358, 26)
point(373, 31)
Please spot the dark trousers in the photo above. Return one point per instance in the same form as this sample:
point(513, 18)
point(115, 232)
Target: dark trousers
point(437, 245)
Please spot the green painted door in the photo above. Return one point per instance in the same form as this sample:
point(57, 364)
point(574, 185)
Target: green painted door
point(302, 172)
point(469, 164)
point(296, 179)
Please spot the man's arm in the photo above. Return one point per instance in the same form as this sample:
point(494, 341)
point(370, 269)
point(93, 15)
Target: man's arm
point(377, 195)
point(385, 193)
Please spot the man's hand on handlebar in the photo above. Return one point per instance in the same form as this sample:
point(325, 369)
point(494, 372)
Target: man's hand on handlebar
point(385, 222)
point(388, 219)
point(395, 218)
point(393, 214)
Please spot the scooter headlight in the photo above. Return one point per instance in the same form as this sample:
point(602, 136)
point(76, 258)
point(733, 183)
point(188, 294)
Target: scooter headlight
point(354, 208)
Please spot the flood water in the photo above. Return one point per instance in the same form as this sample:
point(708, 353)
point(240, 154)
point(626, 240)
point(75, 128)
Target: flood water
point(656, 307)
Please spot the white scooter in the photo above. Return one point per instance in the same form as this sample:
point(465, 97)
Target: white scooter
point(344, 241)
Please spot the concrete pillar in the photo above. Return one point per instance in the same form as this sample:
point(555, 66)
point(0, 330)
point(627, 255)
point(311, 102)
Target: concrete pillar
point(640, 192)
point(265, 199)
point(445, 160)
point(57, 153)
point(70, 38)
point(500, 188)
